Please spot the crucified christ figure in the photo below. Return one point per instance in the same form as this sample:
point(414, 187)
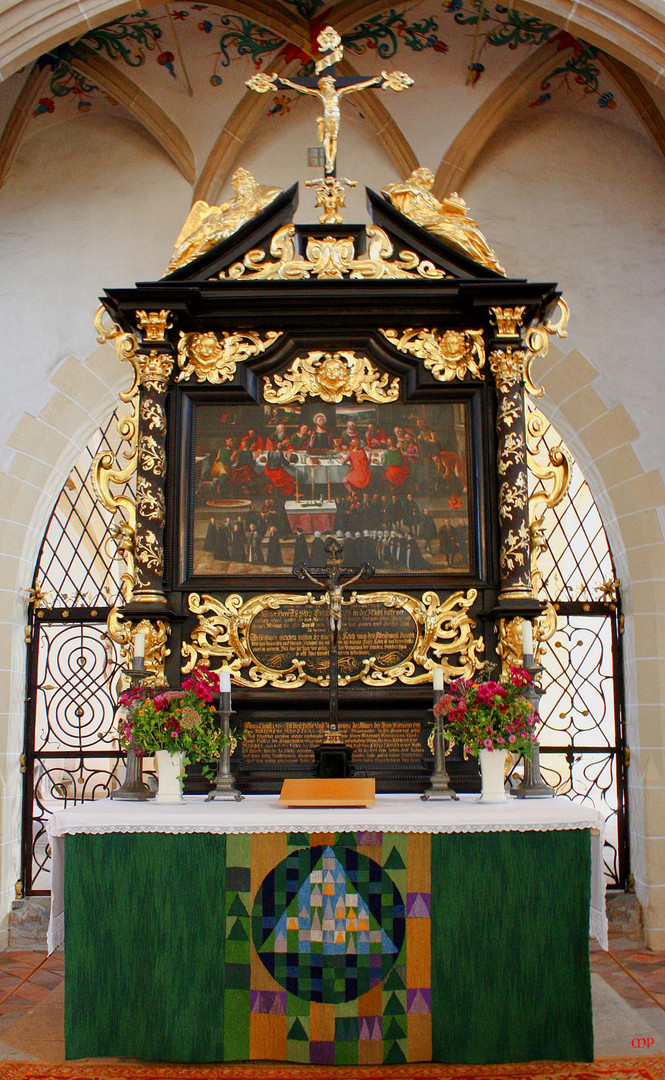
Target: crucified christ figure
point(330, 578)
point(330, 90)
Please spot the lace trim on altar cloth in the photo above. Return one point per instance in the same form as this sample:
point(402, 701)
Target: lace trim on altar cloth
point(360, 826)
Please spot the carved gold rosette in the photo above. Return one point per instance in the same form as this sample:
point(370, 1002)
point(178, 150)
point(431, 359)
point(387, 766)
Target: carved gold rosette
point(156, 634)
point(331, 257)
point(331, 377)
point(448, 354)
point(442, 634)
point(212, 358)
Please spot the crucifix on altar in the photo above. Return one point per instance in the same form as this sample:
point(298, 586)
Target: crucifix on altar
point(330, 578)
point(329, 88)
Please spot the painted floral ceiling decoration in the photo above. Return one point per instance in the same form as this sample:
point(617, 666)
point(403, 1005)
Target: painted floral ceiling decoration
point(145, 36)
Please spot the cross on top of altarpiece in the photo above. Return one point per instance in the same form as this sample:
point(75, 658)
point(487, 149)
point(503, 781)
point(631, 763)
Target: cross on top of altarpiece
point(329, 88)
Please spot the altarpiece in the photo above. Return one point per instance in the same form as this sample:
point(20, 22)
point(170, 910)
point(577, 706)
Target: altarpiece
point(295, 382)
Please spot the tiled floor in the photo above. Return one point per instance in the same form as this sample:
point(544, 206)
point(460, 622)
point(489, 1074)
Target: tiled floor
point(647, 966)
point(14, 966)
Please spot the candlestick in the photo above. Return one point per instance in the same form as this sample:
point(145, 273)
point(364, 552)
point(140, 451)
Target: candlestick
point(139, 647)
point(225, 681)
point(437, 678)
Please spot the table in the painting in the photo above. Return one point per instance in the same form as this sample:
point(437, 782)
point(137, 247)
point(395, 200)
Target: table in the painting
point(401, 932)
point(311, 517)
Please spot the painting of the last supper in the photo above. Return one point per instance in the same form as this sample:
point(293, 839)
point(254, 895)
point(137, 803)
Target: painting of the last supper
point(271, 483)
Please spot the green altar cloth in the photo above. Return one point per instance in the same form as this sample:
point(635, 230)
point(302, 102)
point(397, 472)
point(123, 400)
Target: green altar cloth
point(331, 948)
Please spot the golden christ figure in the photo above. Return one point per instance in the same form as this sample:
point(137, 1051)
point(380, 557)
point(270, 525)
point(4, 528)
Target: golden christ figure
point(330, 89)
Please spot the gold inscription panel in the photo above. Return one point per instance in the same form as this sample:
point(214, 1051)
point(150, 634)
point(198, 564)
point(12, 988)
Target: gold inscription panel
point(277, 637)
point(290, 744)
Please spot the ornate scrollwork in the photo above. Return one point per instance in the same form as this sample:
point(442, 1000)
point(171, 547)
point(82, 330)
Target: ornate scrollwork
point(152, 457)
point(213, 359)
point(149, 552)
point(537, 340)
point(509, 412)
point(153, 324)
point(515, 549)
point(330, 257)
point(507, 320)
point(443, 635)
point(331, 377)
point(509, 644)
point(554, 477)
point(106, 476)
point(123, 633)
point(155, 368)
point(152, 414)
point(150, 501)
point(512, 497)
point(451, 354)
point(512, 451)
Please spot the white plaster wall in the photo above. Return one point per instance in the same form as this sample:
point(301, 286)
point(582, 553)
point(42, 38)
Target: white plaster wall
point(86, 205)
point(566, 198)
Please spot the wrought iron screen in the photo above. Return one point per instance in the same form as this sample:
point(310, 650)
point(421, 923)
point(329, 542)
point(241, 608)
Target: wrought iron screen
point(582, 735)
point(70, 751)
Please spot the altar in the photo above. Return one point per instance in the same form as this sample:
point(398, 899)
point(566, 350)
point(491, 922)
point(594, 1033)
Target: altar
point(398, 933)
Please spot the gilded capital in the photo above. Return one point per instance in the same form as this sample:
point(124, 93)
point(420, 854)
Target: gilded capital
point(155, 368)
point(509, 367)
point(507, 320)
point(153, 324)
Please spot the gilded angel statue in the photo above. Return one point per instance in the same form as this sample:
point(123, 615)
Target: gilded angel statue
point(206, 225)
point(448, 218)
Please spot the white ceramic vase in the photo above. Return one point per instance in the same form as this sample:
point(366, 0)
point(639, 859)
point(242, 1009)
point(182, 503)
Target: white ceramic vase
point(492, 777)
point(169, 769)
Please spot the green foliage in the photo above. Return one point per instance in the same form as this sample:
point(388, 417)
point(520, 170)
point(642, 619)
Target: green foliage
point(385, 32)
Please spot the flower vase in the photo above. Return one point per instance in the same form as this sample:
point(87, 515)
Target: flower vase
point(169, 771)
point(492, 764)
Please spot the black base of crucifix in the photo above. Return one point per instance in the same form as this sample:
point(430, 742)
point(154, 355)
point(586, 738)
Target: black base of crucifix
point(330, 578)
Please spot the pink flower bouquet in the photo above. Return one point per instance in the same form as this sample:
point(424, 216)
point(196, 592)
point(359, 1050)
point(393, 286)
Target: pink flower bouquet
point(489, 715)
point(153, 718)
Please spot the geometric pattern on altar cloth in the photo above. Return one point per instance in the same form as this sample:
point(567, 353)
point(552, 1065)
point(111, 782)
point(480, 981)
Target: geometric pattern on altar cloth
point(328, 948)
point(328, 924)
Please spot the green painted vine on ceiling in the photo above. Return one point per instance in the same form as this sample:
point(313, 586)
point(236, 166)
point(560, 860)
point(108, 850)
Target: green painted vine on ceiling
point(129, 40)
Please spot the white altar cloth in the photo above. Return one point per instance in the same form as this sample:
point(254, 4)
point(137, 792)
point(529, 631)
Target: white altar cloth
point(263, 814)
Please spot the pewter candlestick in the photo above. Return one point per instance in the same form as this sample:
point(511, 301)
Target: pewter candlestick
point(439, 786)
point(533, 786)
point(133, 788)
point(225, 784)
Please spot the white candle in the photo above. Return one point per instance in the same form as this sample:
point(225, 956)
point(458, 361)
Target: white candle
point(139, 646)
point(437, 678)
point(225, 681)
point(527, 638)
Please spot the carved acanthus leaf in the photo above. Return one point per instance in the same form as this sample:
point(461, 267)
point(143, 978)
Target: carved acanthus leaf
point(213, 358)
point(331, 257)
point(331, 377)
point(448, 354)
